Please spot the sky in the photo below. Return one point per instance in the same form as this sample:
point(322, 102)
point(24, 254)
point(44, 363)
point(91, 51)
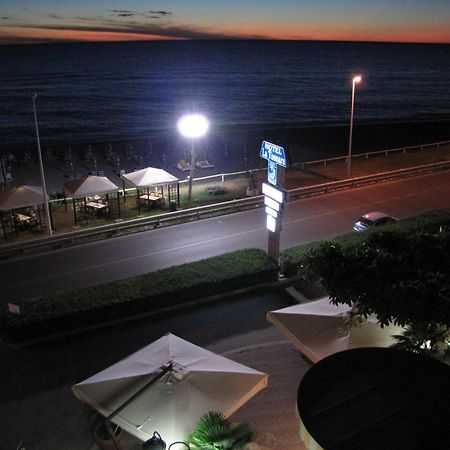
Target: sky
point(36, 21)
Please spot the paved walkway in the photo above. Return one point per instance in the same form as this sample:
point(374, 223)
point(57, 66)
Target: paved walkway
point(272, 413)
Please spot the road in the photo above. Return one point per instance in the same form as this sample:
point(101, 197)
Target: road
point(304, 221)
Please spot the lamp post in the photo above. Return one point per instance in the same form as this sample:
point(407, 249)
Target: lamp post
point(192, 126)
point(41, 165)
point(356, 79)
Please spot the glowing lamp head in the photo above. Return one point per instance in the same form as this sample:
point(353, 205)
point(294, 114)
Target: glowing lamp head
point(193, 125)
point(357, 79)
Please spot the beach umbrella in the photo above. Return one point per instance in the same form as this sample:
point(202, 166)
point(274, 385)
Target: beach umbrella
point(21, 196)
point(319, 328)
point(167, 386)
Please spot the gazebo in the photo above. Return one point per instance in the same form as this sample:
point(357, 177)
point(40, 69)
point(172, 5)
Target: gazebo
point(18, 198)
point(86, 194)
point(150, 184)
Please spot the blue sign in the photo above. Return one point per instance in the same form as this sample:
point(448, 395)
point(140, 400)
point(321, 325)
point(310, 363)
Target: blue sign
point(272, 173)
point(273, 153)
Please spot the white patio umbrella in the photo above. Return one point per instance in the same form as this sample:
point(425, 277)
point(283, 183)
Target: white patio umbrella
point(89, 186)
point(21, 196)
point(319, 328)
point(149, 177)
point(167, 386)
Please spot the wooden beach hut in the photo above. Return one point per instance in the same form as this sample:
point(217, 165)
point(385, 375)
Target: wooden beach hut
point(153, 186)
point(93, 196)
point(20, 208)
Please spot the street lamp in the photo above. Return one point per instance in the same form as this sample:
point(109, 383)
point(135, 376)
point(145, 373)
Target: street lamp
point(41, 165)
point(192, 126)
point(356, 79)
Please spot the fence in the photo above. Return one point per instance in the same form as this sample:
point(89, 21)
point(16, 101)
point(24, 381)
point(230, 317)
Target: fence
point(367, 155)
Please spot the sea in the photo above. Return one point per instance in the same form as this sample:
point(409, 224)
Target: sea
point(102, 91)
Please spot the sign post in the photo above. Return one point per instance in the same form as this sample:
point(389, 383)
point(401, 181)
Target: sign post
point(274, 195)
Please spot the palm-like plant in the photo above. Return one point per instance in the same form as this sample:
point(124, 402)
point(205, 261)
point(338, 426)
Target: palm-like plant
point(426, 339)
point(214, 432)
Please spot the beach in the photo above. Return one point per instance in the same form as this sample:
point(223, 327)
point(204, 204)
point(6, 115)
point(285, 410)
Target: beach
point(227, 150)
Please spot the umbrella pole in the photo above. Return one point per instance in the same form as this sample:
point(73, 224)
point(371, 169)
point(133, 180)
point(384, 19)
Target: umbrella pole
point(164, 370)
point(130, 400)
point(112, 435)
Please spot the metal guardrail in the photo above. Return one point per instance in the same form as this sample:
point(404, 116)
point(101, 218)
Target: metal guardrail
point(368, 179)
point(129, 226)
point(146, 223)
point(367, 155)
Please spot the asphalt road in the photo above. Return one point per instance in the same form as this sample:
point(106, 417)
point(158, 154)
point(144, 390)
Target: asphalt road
point(304, 221)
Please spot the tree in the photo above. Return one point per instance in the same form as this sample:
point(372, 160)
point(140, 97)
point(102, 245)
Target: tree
point(399, 277)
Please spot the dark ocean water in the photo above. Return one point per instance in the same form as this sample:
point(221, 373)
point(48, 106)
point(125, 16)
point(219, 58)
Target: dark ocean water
point(95, 91)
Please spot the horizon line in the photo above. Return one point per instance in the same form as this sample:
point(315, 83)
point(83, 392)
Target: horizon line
point(82, 41)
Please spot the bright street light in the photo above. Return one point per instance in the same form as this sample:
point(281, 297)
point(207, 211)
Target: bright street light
point(192, 126)
point(356, 79)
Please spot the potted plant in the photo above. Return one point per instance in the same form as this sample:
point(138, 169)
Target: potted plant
point(214, 432)
point(107, 435)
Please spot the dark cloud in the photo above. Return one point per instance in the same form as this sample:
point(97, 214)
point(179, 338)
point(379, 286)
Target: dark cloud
point(160, 13)
point(122, 13)
point(150, 30)
point(55, 16)
point(5, 18)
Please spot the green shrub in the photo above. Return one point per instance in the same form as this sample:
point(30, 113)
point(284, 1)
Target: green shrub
point(214, 432)
point(155, 290)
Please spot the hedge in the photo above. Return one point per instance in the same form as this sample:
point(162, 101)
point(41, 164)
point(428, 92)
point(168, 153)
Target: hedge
point(152, 291)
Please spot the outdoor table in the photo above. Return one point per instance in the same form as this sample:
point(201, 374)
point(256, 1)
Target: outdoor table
point(151, 199)
point(97, 207)
point(23, 218)
point(24, 221)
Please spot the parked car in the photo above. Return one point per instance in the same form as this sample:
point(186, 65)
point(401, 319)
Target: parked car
point(373, 219)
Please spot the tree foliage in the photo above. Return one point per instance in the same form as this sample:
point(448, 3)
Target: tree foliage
point(400, 277)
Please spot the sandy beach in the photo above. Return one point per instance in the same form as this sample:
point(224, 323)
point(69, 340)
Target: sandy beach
point(227, 150)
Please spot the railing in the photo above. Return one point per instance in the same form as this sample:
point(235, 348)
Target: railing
point(222, 176)
point(133, 225)
point(146, 223)
point(367, 155)
point(365, 180)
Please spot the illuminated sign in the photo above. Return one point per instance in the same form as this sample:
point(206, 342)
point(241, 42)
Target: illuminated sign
point(271, 223)
point(274, 193)
point(272, 203)
point(274, 153)
point(271, 212)
point(272, 172)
